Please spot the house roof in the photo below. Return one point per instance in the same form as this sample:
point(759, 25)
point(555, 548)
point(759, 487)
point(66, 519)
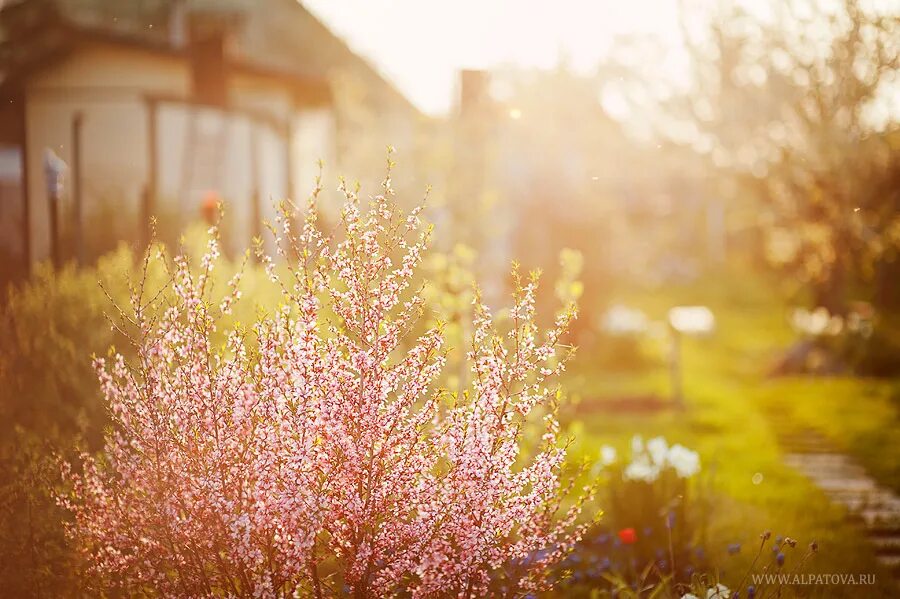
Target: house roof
point(277, 38)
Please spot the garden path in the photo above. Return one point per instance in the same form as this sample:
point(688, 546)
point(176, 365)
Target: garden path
point(844, 481)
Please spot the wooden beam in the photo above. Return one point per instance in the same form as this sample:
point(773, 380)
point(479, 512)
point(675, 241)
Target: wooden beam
point(149, 201)
point(26, 196)
point(289, 160)
point(77, 208)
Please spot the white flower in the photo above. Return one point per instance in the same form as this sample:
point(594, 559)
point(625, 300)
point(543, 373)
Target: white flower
point(658, 449)
point(641, 469)
point(685, 462)
point(720, 591)
point(637, 445)
point(689, 596)
point(607, 455)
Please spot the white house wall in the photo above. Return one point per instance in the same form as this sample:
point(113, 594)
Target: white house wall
point(198, 149)
point(106, 85)
point(312, 140)
point(272, 148)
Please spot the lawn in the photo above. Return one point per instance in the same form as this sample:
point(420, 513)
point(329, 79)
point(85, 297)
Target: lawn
point(730, 408)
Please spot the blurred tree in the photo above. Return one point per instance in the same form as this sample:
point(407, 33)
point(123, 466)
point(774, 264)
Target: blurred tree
point(571, 174)
point(799, 106)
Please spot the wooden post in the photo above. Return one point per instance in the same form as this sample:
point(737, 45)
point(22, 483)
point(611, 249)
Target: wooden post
point(77, 217)
point(256, 229)
point(675, 369)
point(149, 200)
point(26, 186)
point(289, 160)
point(53, 170)
point(53, 207)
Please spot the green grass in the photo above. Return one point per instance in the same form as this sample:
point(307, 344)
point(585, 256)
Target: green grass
point(729, 403)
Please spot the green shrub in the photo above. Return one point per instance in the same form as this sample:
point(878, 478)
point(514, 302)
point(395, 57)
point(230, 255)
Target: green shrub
point(51, 324)
point(35, 559)
point(50, 401)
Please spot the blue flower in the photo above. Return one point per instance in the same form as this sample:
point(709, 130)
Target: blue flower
point(751, 592)
point(734, 548)
point(780, 559)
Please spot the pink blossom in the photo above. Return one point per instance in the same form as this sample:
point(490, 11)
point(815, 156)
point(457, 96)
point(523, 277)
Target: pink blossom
point(316, 453)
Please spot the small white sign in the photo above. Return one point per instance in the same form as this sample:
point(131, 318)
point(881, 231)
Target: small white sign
point(692, 320)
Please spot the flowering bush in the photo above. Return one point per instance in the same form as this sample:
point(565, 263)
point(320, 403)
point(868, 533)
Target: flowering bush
point(313, 453)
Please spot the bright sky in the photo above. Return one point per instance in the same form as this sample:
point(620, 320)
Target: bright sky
point(421, 44)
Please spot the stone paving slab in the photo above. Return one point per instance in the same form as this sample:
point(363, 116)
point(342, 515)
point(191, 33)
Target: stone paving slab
point(890, 561)
point(886, 545)
point(873, 517)
point(863, 502)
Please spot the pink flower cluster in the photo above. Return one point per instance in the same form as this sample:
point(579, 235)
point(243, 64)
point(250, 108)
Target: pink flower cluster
point(315, 454)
